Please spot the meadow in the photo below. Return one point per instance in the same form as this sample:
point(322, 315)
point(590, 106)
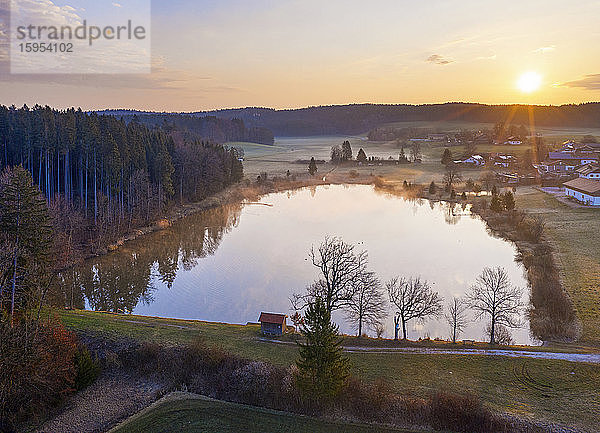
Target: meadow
point(549, 390)
point(193, 413)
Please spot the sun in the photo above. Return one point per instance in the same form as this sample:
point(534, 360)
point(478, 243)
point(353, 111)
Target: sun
point(529, 82)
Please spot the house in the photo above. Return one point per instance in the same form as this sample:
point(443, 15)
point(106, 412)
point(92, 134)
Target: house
point(570, 146)
point(437, 137)
point(581, 156)
point(272, 323)
point(558, 166)
point(567, 161)
point(473, 160)
point(513, 141)
point(589, 171)
point(584, 190)
point(504, 160)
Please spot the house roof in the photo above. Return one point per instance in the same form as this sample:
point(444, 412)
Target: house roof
point(586, 186)
point(588, 169)
point(563, 162)
point(572, 155)
point(278, 319)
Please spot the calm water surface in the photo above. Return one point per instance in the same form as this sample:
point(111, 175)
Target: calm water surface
point(229, 264)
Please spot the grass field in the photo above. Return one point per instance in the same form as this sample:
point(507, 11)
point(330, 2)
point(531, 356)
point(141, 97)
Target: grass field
point(575, 234)
point(556, 391)
point(182, 412)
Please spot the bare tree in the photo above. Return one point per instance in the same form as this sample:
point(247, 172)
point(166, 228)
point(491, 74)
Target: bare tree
point(502, 335)
point(340, 267)
point(415, 151)
point(414, 300)
point(367, 306)
point(456, 316)
point(452, 175)
point(493, 295)
point(488, 179)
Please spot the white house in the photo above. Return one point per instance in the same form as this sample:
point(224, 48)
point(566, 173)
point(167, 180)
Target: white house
point(504, 160)
point(584, 190)
point(477, 160)
point(514, 141)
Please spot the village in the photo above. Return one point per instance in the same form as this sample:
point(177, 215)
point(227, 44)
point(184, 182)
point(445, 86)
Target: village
point(570, 171)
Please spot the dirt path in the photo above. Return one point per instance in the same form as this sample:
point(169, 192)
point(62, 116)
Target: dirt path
point(109, 400)
point(590, 358)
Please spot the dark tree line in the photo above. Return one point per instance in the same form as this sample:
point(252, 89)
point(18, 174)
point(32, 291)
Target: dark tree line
point(194, 126)
point(112, 173)
point(359, 118)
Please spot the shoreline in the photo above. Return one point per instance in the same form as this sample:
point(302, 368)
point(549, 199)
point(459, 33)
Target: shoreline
point(252, 191)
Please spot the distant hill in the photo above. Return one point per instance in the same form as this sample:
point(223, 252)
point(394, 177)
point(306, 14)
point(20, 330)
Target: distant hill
point(360, 118)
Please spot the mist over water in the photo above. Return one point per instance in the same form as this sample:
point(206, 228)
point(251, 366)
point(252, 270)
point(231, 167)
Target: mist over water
point(230, 263)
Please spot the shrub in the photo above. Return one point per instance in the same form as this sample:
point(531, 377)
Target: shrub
point(379, 182)
point(461, 413)
point(432, 187)
point(37, 368)
point(88, 368)
point(531, 228)
point(367, 402)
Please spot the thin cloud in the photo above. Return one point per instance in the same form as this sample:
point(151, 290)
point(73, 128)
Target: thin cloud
point(589, 82)
point(491, 57)
point(438, 60)
point(544, 50)
point(117, 5)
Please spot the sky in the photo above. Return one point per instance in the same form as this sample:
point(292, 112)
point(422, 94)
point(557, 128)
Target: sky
point(209, 54)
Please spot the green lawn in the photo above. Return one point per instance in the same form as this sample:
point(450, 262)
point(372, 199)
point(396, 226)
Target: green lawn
point(188, 413)
point(556, 391)
point(575, 234)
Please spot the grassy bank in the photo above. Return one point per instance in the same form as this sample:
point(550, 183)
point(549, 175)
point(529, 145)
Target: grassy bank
point(554, 391)
point(192, 413)
point(575, 236)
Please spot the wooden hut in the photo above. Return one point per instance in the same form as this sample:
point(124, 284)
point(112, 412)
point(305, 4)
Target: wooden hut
point(272, 323)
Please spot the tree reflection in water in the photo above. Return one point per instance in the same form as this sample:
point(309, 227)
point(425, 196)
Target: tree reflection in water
point(122, 279)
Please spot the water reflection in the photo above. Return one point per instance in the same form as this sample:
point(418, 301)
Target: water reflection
point(230, 263)
point(127, 278)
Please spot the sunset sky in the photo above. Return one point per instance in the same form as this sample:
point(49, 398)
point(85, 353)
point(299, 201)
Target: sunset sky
point(284, 54)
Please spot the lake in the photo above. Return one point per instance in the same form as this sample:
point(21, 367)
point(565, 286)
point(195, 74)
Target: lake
point(230, 263)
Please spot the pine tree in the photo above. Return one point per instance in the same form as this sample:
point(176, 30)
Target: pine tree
point(322, 367)
point(446, 157)
point(432, 187)
point(508, 200)
point(361, 156)
point(312, 167)
point(346, 151)
point(496, 204)
point(26, 232)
